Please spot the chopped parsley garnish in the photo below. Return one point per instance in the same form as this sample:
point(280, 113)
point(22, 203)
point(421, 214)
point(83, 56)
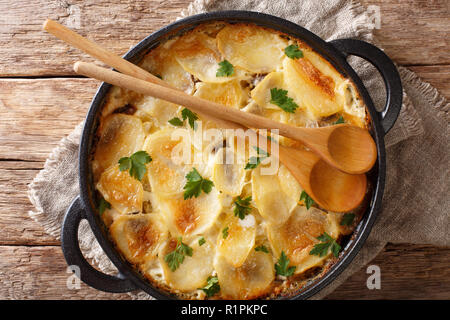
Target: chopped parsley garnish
point(253, 162)
point(280, 98)
point(201, 241)
point(177, 122)
point(196, 184)
point(212, 287)
point(307, 200)
point(293, 51)
point(175, 258)
point(340, 120)
point(282, 266)
point(327, 242)
point(225, 232)
point(262, 248)
point(242, 207)
point(226, 69)
point(347, 219)
point(103, 205)
point(188, 114)
point(135, 164)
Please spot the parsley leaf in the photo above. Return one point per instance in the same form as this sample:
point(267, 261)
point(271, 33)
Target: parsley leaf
point(253, 162)
point(103, 205)
point(282, 266)
point(135, 164)
point(293, 51)
point(225, 232)
point(262, 248)
point(188, 114)
point(307, 200)
point(201, 241)
point(175, 258)
point(212, 287)
point(340, 120)
point(347, 219)
point(280, 98)
point(177, 122)
point(327, 242)
point(226, 69)
point(195, 184)
point(242, 207)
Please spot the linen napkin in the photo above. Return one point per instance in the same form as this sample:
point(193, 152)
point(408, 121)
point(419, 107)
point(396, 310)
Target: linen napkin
point(416, 203)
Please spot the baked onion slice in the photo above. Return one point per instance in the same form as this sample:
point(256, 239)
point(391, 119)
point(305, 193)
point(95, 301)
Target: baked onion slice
point(138, 236)
point(250, 280)
point(122, 191)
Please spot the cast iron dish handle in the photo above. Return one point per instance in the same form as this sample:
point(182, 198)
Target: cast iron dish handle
point(388, 71)
point(74, 257)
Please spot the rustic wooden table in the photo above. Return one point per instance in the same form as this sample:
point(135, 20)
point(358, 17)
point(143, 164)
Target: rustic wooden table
point(41, 100)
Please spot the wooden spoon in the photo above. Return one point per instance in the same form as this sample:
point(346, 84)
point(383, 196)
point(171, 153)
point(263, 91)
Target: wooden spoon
point(348, 148)
point(341, 191)
point(345, 191)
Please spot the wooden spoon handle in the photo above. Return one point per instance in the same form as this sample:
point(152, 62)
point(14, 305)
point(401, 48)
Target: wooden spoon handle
point(98, 52)
point(199, 105)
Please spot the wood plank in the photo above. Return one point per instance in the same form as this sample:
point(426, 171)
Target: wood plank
point(117, 25)
point(40, 273)
point(15, 224)
point(438, 76)
point(414, 32)
point(37, 113)
point(32, 125)
point(407, 272)
point(419, 33)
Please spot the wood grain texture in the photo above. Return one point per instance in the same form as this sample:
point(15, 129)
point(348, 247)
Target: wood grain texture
point(115, 24)
point(418, 33)
point(414, 32)
point(407, 271)
point(38, 112)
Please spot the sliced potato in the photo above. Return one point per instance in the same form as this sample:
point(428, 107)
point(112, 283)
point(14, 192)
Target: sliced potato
point(261, 93)
point(123, 192)
point(236, 246)
point(194, 271)
point(297, 236)
point(166, 175)
point(252, 48)
point(228, 178)
point(197, 53)
point(138, 236)
point(161, 62)
point(191, 216)
point(158, 110)
point(311, 88)
point(229, 93)
point(275, 195)
point(250, 280)
point(120, 136)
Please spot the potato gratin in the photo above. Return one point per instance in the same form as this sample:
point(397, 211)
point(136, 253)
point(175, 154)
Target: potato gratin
point(207, 229)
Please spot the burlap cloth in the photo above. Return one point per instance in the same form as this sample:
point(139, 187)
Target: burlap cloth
point(416, 201)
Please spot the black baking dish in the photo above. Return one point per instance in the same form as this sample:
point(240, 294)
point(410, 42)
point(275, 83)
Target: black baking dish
point(335, 52)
